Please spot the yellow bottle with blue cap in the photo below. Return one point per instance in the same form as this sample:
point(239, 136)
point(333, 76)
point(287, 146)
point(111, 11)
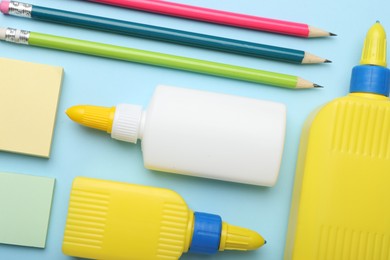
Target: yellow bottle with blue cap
point(113, 220)
point(340, 207)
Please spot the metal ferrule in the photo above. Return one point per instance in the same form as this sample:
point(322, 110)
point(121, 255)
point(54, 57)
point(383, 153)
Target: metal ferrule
point(17, 36)
point(20, 9)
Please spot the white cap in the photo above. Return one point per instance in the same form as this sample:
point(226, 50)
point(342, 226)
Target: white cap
point(126, 124)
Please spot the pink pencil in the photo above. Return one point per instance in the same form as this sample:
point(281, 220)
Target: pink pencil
point(220, 17)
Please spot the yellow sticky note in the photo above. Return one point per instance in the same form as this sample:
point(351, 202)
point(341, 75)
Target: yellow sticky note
point(29, 95)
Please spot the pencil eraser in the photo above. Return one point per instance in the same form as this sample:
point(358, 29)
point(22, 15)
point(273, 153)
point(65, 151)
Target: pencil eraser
point(2, 33)
point(4, 7)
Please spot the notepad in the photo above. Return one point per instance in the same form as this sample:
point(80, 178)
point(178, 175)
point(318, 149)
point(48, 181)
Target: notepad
point(25, 203)
point(29, 96)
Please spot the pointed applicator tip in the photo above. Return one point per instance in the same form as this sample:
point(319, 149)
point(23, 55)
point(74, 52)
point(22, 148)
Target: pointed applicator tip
point(374, 50)
point(92, 116)
point(332, 34)
point(327, 61)
point(317, 86)
point(239, 238)
point(76, 113)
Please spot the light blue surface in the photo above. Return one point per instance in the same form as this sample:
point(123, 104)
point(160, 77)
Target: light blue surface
point(78, 151)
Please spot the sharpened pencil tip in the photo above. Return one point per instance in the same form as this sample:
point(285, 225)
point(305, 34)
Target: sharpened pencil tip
point(317, 86)
point(332, 34)
point(327, 61)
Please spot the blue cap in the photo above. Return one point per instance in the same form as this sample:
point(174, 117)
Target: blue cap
point(207, 233)
point(370, 79)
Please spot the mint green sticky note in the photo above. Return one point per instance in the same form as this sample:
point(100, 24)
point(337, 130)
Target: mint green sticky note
point(25, 203)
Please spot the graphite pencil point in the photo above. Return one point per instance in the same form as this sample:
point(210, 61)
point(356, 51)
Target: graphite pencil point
point(327, 61)
point(317, 86)
point(332, 34)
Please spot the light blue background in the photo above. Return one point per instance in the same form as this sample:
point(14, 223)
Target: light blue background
point(78, 151)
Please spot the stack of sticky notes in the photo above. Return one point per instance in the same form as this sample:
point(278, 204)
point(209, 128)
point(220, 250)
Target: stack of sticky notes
point(29, 95)
point(25, 203)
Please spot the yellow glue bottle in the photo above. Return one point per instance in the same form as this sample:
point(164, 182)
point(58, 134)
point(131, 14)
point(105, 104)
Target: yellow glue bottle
point(113, 220)
point(340, 208)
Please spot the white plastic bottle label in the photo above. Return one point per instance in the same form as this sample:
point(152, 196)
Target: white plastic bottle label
point(214, 135)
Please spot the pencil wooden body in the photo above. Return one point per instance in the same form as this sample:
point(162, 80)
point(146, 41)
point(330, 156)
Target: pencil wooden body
point(309, 58)
point(169, 35)
point(163, 60)
point(216, 16)
point(317, 32)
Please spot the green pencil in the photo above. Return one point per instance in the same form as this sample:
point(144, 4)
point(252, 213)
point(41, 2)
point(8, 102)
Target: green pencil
point(154, 58)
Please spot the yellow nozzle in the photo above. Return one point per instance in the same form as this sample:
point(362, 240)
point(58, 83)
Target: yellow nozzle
point(93, 116)
point(374, 50)
point(238, 238)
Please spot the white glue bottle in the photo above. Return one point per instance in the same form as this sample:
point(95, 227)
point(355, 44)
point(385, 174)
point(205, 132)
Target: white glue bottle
point(199, 133)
